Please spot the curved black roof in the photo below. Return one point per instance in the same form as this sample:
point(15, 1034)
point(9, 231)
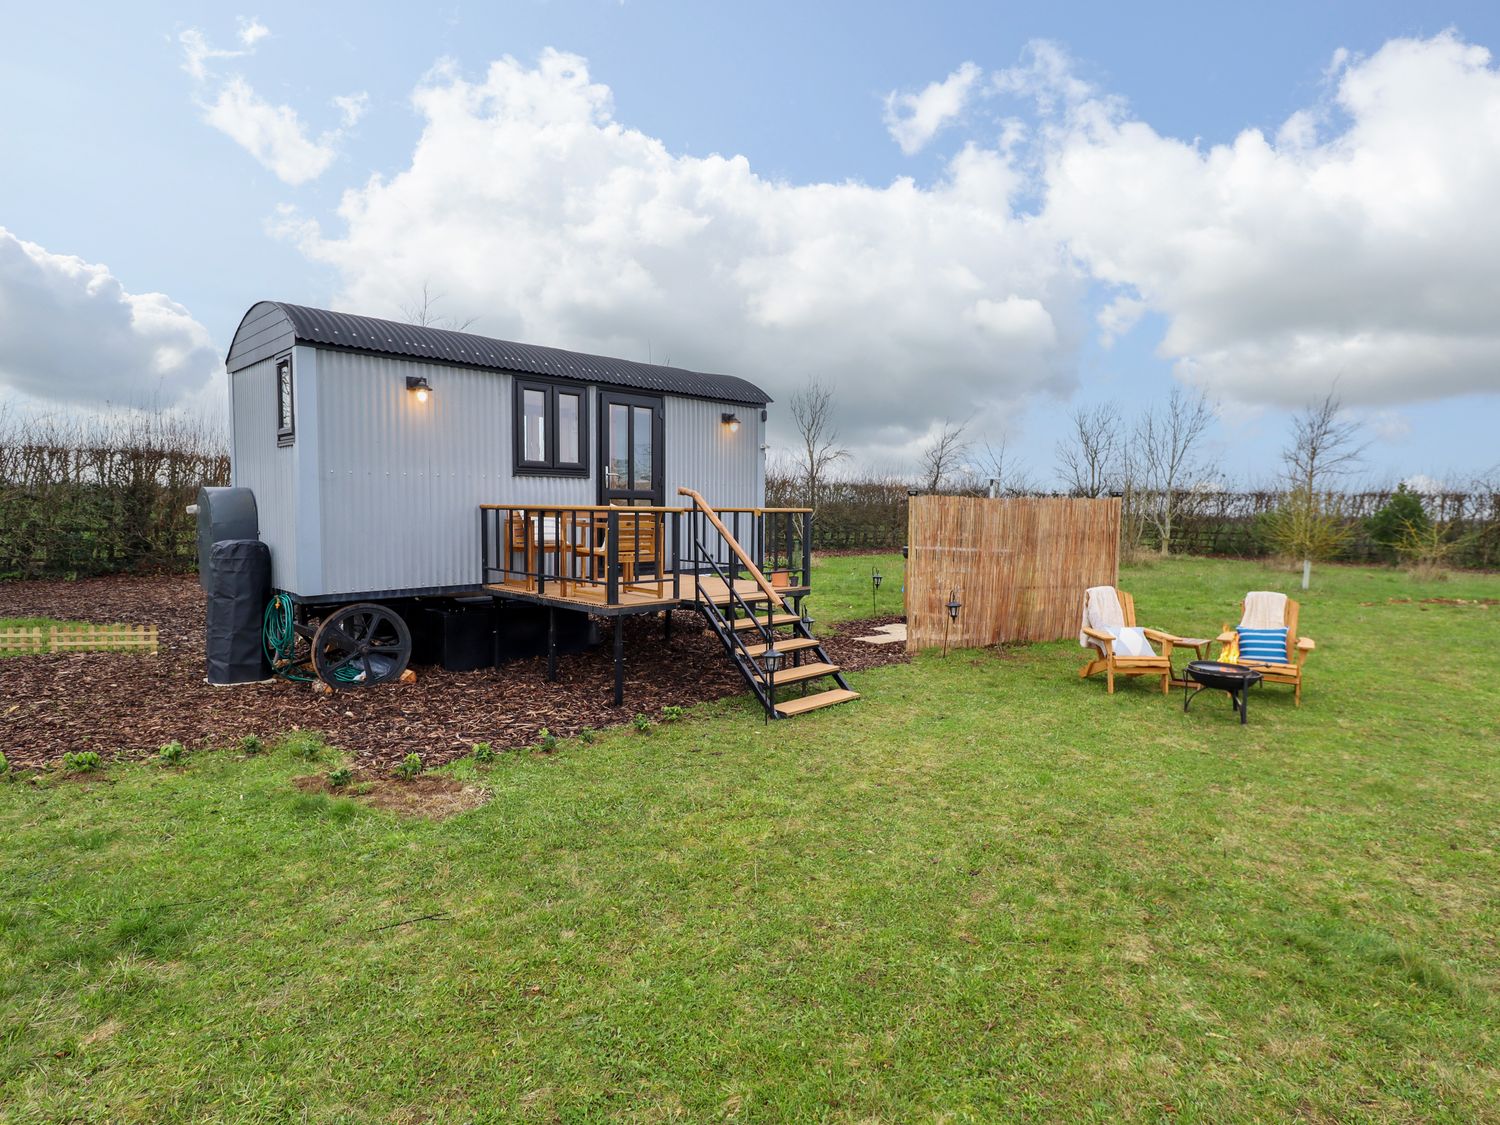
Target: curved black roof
point(270, 327)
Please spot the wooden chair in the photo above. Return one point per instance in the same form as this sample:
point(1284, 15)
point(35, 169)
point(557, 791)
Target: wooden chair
point(533, 538)
point(1297, 648)
point(637, 539)
point(1159, 665)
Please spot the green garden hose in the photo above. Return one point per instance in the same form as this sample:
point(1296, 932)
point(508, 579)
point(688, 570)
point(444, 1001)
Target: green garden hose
point(280, 639)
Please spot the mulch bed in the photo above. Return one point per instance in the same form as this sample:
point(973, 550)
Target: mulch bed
point(128, 705)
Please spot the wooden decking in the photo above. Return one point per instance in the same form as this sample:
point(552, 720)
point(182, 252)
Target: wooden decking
point(746, 577)
point(645, 596)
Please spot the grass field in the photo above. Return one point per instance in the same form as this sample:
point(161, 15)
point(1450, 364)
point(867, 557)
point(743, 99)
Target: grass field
point(987, 891)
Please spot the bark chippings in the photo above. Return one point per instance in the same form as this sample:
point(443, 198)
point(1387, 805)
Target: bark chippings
point(126, 704)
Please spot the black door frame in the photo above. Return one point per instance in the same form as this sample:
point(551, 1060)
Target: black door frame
point(657, 405)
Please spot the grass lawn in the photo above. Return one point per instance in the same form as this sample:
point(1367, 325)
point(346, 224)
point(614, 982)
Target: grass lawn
point(986, 891)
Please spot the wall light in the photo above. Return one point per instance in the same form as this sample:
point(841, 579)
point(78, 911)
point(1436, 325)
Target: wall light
point(732, 421)
point(420, 386)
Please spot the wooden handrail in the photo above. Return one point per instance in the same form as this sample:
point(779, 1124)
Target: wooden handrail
point(768, 511)
point(633, 508)
point(578, 508)
point(734, 544)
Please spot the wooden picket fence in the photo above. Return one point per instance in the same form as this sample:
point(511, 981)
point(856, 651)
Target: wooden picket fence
point(78, 638)
point(1019, 567)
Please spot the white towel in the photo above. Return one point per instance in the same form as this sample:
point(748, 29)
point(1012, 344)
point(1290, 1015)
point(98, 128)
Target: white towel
point(1264, 609)
point(1131, 642)
point(1101, 611)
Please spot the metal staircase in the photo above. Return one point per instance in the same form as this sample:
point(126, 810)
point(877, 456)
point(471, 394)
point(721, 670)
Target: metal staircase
point(773, 648)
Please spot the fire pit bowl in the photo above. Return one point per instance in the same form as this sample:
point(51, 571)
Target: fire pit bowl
point(1234, 679)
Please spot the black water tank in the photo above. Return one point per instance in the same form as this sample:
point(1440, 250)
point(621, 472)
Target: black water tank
point(223, 513)
point(459, 635)
point(238, 580)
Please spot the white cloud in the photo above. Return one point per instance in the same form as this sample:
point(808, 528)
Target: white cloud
point(196, 53)
point(1427, 485)
point(352, 107)
point(1365, 256)
point(914, 119)
point(70, 332)
point(530, 206)
point(1356, 246)
point(1118, 317)
point(274, 134)
point(251, 32)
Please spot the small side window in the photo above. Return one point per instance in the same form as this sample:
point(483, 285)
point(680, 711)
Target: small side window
point(286, 417)
point(551, 423)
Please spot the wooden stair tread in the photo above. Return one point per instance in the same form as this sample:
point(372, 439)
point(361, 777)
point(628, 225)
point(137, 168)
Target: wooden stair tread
point(796, 675)
point(778, 619)
point(783, 644)
point(724, 600)
point(813, 702)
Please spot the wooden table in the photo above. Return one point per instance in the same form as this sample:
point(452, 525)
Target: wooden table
point(1199, 645)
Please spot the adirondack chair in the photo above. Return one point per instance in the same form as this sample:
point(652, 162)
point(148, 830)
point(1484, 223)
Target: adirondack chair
point(1288, 671)
point(1159, 664)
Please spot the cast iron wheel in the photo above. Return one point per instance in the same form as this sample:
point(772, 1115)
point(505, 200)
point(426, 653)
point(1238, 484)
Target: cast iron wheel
point(361, 645)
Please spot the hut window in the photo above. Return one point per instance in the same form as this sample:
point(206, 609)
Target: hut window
point(286, 418)
point(550, 429)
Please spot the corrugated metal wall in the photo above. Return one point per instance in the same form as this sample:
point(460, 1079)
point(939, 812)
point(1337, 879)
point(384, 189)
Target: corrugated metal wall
point(260, 465)
point(400, 482)
point(702, 454)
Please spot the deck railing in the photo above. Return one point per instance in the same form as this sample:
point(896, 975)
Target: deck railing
point(614, 555)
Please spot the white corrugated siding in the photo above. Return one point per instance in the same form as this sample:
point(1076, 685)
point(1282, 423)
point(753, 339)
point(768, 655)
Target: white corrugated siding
point(400, 482)
point(702, 454)
point(263, 467)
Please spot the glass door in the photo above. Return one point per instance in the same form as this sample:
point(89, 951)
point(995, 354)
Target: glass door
point(631, 458)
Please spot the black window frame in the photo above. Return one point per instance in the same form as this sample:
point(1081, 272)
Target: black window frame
point(286, 434)
point(551, 465)
point(657, 404)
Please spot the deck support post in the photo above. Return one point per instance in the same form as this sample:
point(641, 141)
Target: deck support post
point(551, 644)
point(619, 659)
point(667, 624)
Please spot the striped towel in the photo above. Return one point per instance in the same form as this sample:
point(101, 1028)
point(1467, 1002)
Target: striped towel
point(1263, 646)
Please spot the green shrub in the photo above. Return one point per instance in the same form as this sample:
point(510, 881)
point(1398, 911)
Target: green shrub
point(340, 777)
point(251, 745)
point(170, 754)
point(81, 761)
point(1402, 518)
point(4, 765)
point(587, 736)
point(671, 713)
point(642, 723)
point(410, 767)
point(547, 741)
point(305, 745)
point(484, 753)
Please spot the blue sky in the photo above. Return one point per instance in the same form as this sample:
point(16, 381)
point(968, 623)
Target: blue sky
point(1085, 121)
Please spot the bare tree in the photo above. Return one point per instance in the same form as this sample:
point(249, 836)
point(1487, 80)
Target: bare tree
point(1088, 461)
point(1004, 473)
point(424, 311)
point(944, 455)
point(1167, 438)
point(812, 414)
point(1324, 445)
